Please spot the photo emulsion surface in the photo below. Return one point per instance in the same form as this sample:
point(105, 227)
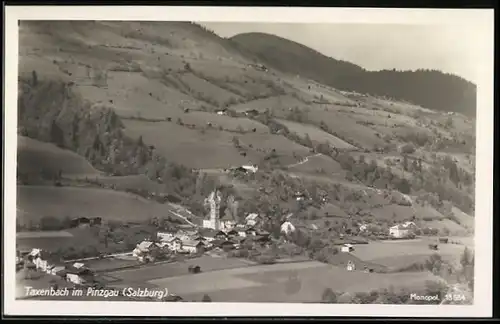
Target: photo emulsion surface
point(162, 161)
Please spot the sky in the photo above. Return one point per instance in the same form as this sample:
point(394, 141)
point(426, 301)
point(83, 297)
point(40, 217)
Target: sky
point(448, 48)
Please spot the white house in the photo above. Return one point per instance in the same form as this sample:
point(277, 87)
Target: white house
point(252, 219)
point(347, 248)
point(227, 222)
point(250, 168)
point(174, 244)
point(79, 274)
point(399, 231)
point(164, 236)
point(56, 270)
point(191, 246)
point(287, 228)
point(144, 251)
point(350, 266)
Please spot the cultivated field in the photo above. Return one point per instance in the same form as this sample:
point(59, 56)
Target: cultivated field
point(34, 156)
point(396, 254)
point(183, 145)
point(319, 164)
point(293, 282)
point(61, 202)
point(315, 134)
point(156, 273)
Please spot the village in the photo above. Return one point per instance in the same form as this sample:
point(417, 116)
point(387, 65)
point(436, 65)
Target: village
point(218, 237)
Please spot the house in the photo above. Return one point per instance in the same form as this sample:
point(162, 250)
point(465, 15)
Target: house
point(80, 222)
point(252, 219)
point(78, 274)
point(241, 230)
point(220, 235)
point(58, 270)
point(287, 228)
point(227, 245)
point(95, 221)
point(363, 227)
point(250, 168)
point(232, 233)
point(192, 246)
point(347, 248)
point(227, 222)
point(261, 240)
point(300, 196)
point(252, 113)
point(262, 233)
point(207, 233)
point(399, 231)
point(251, 231)
point(164, 236)
point(222, 111)
point(239, 240)
point(145, 251)
point(174, 244)
point(350, 266)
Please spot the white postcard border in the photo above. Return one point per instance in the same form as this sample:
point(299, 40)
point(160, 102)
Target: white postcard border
point(484, 159)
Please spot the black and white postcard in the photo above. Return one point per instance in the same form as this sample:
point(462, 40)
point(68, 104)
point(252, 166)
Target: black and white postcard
point(248, 161)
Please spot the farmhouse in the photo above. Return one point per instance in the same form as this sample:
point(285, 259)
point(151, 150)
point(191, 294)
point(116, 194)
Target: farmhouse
point(287, 228)
point(192, 246)
point(79, 274)
point(400, 231)
point(227, 222)
point(57, 270)
point(80, 222)
point(145, 251)
point(220, 235)
point(207, 233)
point(252, 219)
point(252, 113)
point(164, 236)
point(174, 244)
point(232, 233)
point(250, 231)
point(347, 248)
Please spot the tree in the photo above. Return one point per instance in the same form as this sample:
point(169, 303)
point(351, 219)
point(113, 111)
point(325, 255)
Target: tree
point(50, 223)
point(34, 78)
point(236, 141)
point(56, 134)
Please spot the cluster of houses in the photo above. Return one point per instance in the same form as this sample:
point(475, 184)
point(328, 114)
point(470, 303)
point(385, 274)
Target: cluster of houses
point(398, 231)
point(199, 241)
point(45, 262)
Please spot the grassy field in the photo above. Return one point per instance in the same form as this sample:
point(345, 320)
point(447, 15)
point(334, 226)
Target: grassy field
point(396, 254)
point(183, 145)
point(34, 156)
point(139, 182)
point(319, 164)
point(315, 134)
point(60, 202)
point(44, 243)
point(296, 282)
point(157, 272)
point(201, 119)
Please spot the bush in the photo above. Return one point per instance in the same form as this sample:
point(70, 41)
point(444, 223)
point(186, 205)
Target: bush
point(329, 296)
point(408, 149)
point(266, 259)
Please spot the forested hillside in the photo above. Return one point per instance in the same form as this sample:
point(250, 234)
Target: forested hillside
point(427, 88)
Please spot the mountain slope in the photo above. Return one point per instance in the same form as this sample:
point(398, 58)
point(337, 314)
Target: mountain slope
point(158, 102)
point(428, 88)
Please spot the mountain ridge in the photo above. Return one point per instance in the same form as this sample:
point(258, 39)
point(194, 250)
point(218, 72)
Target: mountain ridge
point(426, 87)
